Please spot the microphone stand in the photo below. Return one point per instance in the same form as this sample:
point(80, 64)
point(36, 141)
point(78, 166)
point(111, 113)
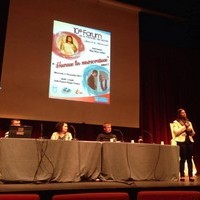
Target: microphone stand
point(74, 130)
point(41, 131)
point(150, 136)
point(122, 135)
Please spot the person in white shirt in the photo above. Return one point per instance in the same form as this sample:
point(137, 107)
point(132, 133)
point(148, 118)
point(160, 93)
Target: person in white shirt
point(61, 132)
point(184, 132)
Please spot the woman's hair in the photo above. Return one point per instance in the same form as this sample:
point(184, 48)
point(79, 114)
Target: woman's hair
point(179, 117)
point(59, 126)
point(179, 111)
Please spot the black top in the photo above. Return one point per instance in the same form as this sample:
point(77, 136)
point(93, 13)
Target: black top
point(106, 136)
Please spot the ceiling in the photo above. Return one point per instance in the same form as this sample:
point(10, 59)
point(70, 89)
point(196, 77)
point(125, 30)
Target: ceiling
point(185, 9)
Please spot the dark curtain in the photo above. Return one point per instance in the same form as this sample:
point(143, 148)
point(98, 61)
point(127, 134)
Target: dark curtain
point(4, 7)
point(169, 65)
point(165, 76)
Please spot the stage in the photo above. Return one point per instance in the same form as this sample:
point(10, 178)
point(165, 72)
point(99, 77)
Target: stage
point(47, 167)
point(47, 190)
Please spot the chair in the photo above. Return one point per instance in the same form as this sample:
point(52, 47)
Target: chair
point(93, 196)
point(19, 197)
point(166, 195)
point(173, 142)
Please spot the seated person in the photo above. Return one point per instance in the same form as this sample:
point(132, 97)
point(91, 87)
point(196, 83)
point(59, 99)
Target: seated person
point(13, 122)
point(107, 133)
point(61, 132)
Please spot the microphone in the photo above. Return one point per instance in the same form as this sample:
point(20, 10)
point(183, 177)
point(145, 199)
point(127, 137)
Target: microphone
point(41, 130)
point(122, 135)
point(74, 130)
point(187, 122)
point(150, 136)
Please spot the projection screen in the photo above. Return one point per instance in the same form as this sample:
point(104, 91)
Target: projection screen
point(26, 74)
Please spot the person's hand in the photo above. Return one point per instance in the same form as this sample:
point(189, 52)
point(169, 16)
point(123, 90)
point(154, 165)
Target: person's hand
point(187, 124)
point(189, 129)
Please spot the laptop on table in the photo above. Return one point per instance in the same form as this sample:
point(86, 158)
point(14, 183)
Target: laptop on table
point(20, 131)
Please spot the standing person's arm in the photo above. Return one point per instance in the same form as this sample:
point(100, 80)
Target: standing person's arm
point(178, 128)
point(190, 129)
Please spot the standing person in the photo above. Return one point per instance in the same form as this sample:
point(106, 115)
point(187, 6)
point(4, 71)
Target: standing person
point(184, 132)
point(92, 80)
point(13, 122)
point(107, 133)
point(61, 132)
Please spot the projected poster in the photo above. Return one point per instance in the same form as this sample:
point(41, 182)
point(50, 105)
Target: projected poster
point(80, 64)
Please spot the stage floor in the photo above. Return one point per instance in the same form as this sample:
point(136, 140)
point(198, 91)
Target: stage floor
point(47, 190)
